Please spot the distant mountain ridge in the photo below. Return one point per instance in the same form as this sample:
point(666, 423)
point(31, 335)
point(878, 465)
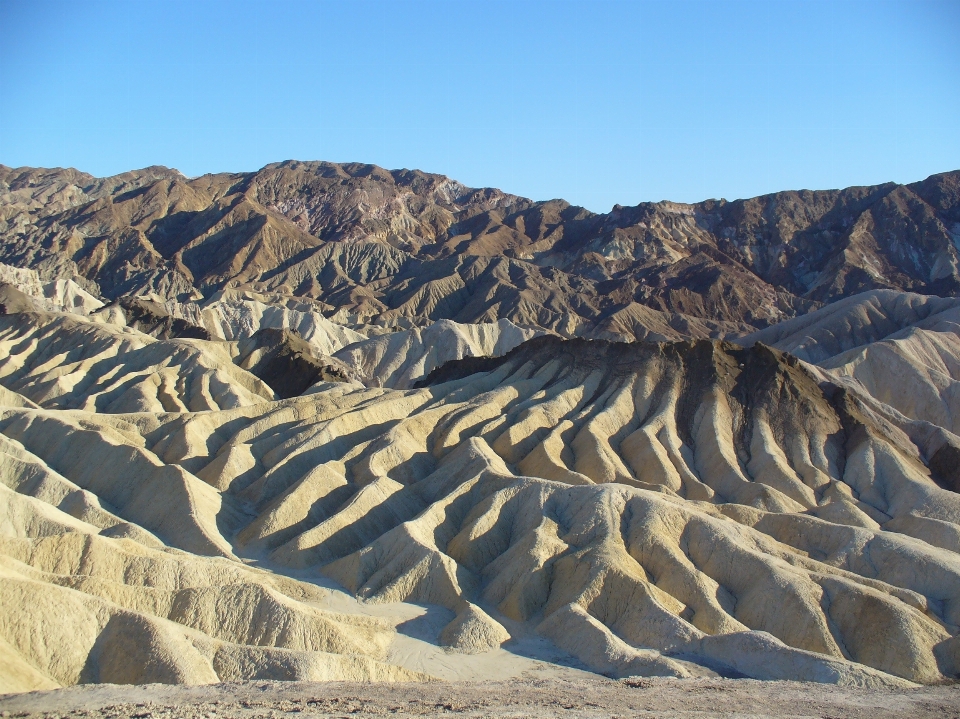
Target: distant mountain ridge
point(371, 244)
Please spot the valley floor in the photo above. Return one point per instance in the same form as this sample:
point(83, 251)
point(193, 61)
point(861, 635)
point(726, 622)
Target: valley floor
point(522, 697)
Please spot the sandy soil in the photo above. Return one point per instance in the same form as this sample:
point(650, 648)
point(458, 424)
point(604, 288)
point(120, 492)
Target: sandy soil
point(531, 698)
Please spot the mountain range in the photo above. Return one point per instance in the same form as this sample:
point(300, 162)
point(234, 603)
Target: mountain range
point(332, 422)
point(370, 244)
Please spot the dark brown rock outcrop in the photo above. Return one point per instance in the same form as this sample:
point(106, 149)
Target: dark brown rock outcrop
point(287, 363)
point(407, 244)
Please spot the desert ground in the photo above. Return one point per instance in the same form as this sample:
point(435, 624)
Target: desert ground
point(523, 697)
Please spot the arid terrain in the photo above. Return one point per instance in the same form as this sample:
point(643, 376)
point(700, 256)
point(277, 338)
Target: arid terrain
point(526, 697)
point(265, 433)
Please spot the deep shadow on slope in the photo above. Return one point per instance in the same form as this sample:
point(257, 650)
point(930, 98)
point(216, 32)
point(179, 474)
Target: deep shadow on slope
point(289, 364)
point(152, 319)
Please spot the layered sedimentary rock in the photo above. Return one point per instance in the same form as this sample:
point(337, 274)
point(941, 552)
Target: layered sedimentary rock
point(63, 362)
point(399, 359)
point(236, 316)
point(899, 348)
point(218, 394)
point(657, 508)
point(58, 295)
point(81, 607)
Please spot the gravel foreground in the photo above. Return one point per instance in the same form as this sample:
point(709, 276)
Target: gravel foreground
point(517, 698)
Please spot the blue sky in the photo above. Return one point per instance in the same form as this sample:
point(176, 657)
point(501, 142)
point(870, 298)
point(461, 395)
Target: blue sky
point(593, 101)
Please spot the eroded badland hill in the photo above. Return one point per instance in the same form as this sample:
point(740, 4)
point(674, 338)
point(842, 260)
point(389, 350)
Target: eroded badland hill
point(335, 423)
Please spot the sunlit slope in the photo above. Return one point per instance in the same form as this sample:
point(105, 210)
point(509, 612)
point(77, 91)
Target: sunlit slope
point(60, 295)
point(901, 348)
point(399, 359)
point(386, 355)
point(233, 315)
point(80, 608)
point(407, 245)
point(64, 362)
point(858, 321)
point(115, 567)
point(650, 508)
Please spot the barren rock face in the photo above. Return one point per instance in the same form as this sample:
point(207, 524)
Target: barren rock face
point(287, 363)
point(152, 319)
point(327, 405)
point(406, 244)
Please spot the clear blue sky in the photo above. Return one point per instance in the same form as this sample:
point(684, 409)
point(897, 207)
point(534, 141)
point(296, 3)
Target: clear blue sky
point(596, 102)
